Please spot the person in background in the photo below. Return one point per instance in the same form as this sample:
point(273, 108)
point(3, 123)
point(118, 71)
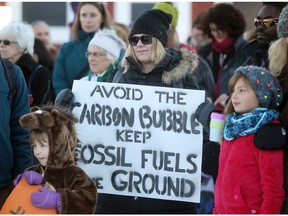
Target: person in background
point(278, 63)
point(15, 150)
point(203, 72)
point(173, 37)
point(42, 32)
point(225, 24)
point(71, 62)
point(41, 55)
point(250, 180)
point(18, 49)
point(266, 32)
point(122, 31)
point(198, 38)
point(148, 62)
point(104, 52)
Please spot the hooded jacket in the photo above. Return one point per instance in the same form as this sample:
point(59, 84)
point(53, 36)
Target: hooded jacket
point(177, 66)
point(77, 190)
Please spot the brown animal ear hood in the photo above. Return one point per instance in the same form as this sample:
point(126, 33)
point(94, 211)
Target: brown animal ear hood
point(60, 127)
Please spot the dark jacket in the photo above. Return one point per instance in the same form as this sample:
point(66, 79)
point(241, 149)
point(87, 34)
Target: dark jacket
point(229, 67)
point(205, 78)
point(41, 87)
point(176, 66)
point(256, 55)
point(15, 149)
point(70, 62)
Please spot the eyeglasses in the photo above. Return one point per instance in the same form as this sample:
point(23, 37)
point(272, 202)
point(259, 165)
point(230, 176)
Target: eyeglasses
point(94, 54)
point(7, 42)
point(266, 22)
point(218, 31)
point(145, 39)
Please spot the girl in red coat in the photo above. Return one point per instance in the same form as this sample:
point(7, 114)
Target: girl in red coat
point(250, 180)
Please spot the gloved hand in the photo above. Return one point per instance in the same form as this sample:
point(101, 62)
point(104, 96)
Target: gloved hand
point(64, 98)
point(202, 114)
point(31, 176)
point(46, 198)
point(271, 136)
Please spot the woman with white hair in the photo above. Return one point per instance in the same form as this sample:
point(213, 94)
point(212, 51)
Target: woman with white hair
point(104, 53)
point(16, 45)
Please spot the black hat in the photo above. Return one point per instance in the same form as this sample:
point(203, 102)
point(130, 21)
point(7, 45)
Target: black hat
point(153, 22)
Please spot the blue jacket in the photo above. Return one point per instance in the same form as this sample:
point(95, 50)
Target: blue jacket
point(15, 149)
point(70, 62)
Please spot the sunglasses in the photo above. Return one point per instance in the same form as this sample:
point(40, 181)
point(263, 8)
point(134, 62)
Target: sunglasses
point(265, 22)
point(145, 39)
point(7, 42)
point(94, 54)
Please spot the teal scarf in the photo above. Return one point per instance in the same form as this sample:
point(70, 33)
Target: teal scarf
point(244, 124)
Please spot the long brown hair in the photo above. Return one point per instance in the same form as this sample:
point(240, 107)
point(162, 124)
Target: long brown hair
point(107, 19)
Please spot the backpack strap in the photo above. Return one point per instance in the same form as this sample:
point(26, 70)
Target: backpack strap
point(11, 78)
point(178, 84)
point(35, 70)
point(117, 76)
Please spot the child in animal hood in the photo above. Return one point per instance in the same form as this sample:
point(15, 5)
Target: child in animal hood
point(66, 187)
point(250, 180)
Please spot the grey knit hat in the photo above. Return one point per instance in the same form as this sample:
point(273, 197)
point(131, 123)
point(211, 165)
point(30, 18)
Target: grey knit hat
point(282, 26)
point(153, 22)
point(265, 85)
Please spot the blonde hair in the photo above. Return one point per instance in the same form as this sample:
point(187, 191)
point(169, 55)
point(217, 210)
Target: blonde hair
point(278, 54)
point(232, 82)
point(157, 54)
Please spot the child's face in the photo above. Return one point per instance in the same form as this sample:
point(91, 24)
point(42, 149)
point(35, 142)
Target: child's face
point(244, 98)
point(41, 151)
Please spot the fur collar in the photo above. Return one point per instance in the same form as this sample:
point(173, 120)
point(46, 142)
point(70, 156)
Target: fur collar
point(185, 67)
point(176, 65)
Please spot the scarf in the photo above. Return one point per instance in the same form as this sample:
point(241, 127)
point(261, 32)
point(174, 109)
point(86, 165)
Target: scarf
point(244, 124)
point(224, 47)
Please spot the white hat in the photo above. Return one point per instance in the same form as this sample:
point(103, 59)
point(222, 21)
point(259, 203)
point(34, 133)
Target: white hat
point(109, 41)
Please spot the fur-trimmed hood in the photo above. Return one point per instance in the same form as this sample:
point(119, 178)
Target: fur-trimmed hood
point(187, 65)
point(176, 65)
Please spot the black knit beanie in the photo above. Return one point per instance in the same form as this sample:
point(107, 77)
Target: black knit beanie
point(153, 22)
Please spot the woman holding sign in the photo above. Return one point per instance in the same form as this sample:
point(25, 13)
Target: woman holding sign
point(147, 62)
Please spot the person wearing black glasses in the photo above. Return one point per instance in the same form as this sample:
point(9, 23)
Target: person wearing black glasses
point(148, 62)
point(16, 45)
point(266, 32)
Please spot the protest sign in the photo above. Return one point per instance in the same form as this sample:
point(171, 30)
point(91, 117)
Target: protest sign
point(140, 140)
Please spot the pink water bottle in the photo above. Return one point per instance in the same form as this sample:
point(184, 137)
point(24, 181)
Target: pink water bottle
point(216, 126)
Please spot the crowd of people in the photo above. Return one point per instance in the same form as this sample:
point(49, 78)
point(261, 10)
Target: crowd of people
point(245, 79)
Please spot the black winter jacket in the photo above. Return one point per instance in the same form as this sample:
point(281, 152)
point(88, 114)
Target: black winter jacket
point(176, 66)
point(41, 86)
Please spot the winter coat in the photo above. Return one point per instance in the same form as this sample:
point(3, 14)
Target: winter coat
point(256, 55)
point(78, 193)
point(229, 67)
point(77, 190)
point(15, 149)
point(249, 179)
point(70, 62)
point(41, 87)
point(205, 78)
point(176, 66)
